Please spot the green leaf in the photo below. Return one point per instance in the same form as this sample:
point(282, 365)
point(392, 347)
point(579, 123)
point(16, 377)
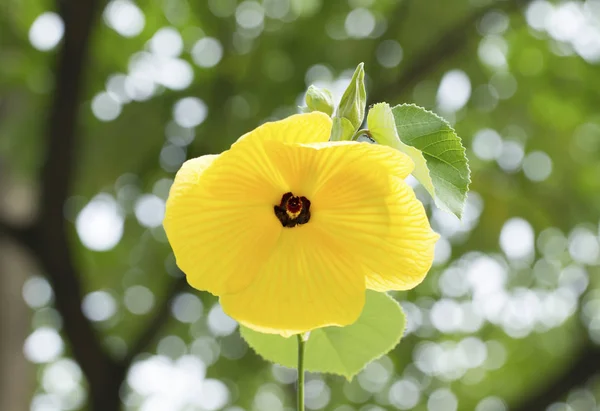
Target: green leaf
point(338, 350)
point(382, 128)
point(443, 151)
point(352, 104)
point(341, 130)
point(319, 99)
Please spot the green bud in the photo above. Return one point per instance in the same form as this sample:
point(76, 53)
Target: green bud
point(319, 99)
point(352, 104)
point(341, 130)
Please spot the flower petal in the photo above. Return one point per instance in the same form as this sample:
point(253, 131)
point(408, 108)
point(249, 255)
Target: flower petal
point(368, 211)
point(307, 283)
point(311, 168)
point(359, 197)
point(391, 238)
point(300, 128)
point(402, 261)
point(220, 242)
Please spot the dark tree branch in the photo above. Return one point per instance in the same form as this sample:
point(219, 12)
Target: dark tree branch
point(583, 366)
point(160, 317)
point(51, 242)
point(21, 234)
point(447, 45)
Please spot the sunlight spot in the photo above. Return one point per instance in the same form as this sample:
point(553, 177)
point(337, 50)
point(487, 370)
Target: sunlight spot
point(583, 246)
point(492, 51)
point(505, 84)
point(46, 402)
point(176, 385)
point(537, 166)
point(491, 404)
point(442, 252)
point(375, 376)
point(62, 377)
point(487, 144)
point(276, 9)
point(214, 395)
point(139, 87)
point(124, 17)
point(166, 42)
point(46, 31)
point(404, 394)
point(551, 242)
point(566, 21)
point(37, 292)
point(250, 15)
point(172, 157)
point(442, 399)
point(115, 86)
point(496, 355)
point(171, 346)
point(138, 299)
point(494, 22)
point(511, 157)
point(43, 345)
point(222, 8)
point(190, 112)
point(517, 238)
point(100, 223)
point(99, 306)
point(389, 53)
point(174, 73)
point(269, 398)
point(446, 315)
point(317, 394)
point(283, 374)
point(486, 277)
point(162, 187)
point(179, 136)
point(538, 12)
point(187, 308)
point(207, 349)
point(472, 352)
point(360, 23)
point(220, 324)
point(149, 210)
point(454, 91)
point(207, 52)
point(106, 107)
point(318, 74)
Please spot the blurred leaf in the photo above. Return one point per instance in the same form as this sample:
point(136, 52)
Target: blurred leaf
point(339, 350)
point(443, 152)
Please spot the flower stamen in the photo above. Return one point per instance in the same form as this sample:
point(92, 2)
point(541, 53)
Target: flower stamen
point(292, 210)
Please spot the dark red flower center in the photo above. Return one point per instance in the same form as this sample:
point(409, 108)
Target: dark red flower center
point(292, 210)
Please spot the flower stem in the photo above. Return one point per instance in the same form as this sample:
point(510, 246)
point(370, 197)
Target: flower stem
point(301, 344)
point(362, 132)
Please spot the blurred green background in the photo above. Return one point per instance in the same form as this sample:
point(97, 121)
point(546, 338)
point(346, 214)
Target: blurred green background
point(101, 102)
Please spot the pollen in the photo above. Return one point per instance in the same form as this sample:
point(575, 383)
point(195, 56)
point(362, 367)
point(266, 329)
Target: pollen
point(292, 210)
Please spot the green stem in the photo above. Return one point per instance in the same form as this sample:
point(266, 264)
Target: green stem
point(301, 344)
point(361, 132)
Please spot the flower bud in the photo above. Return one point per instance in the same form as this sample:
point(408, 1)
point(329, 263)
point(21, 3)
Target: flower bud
point(352, 104)
point(319, 99)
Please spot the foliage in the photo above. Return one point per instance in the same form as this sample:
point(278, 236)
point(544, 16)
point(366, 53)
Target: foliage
point(508, 314)
point(338, 350)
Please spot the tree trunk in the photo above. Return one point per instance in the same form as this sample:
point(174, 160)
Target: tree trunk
point(17, 375)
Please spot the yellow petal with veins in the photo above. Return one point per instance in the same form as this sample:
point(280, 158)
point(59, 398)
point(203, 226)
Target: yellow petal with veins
point(366, 228)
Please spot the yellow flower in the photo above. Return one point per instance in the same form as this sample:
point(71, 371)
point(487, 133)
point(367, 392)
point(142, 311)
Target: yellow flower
point(289, 230)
